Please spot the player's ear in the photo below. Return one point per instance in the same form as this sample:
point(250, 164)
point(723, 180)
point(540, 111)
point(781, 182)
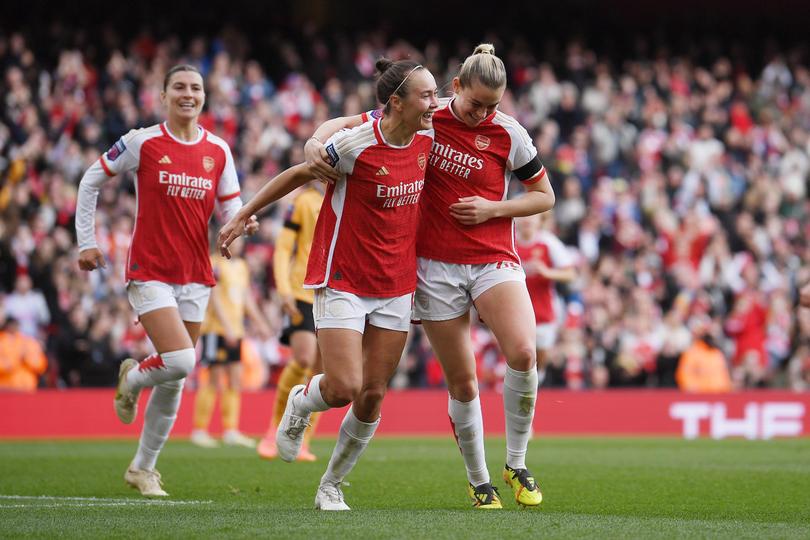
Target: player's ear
point(396, 102)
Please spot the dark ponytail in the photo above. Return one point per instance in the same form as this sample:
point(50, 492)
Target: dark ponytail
point(393, 79)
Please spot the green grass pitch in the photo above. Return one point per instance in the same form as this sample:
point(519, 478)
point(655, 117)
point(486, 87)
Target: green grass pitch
point(414, 488)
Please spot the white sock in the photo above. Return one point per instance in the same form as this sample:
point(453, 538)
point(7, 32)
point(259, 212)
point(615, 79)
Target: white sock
point(310, 400)
point(352, 441)
point(519, 398)
point(158, 421)
point(161, 368)
point(468, 427)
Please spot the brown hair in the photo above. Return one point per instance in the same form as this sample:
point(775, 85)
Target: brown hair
point(393, 79)
point(175, 69)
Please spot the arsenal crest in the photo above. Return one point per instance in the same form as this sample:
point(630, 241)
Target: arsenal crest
point(481, 142)
point(421, 160)
point(208, 163)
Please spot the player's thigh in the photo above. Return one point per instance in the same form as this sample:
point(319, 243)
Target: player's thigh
point(342, 354)
point(382, 351)
point(506, 309)
point(450, 340)
point(193, 330)
point(166, 330)
point(304, 346)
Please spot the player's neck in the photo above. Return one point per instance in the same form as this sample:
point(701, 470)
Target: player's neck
point(396, 132)
point(184, 130)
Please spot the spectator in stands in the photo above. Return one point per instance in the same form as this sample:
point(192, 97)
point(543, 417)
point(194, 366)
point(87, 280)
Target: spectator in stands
point(702, 367)
point(22, 360)
point(27, 306)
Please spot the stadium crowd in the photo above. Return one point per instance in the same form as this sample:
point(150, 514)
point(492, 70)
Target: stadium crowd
point(681, 193)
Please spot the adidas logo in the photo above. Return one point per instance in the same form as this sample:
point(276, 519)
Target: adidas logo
point(165, 160)
point(382, 172)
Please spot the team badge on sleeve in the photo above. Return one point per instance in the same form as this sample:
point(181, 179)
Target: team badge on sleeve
point(481, 142)
point(116, 150)
point(208, 163)
point(333, 155)
point(421, 160)
point(376, 113)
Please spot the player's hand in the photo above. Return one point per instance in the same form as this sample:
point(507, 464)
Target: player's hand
point(90, 259)
point(290, 308)
point(230, 232)
point(473, 210)
point(318, 162)
point(252, 225)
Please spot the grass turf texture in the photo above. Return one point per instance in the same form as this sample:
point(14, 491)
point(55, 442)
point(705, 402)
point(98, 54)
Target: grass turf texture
point(415, 488)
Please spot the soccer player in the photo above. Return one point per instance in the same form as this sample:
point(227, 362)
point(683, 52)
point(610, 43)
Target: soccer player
point(546, 261)
point(294, 244)
point(181, 171)
point(466, 257)
point(223, 330)
point(362, 265)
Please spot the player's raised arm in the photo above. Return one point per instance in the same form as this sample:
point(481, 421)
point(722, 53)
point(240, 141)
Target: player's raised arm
point(272, 191)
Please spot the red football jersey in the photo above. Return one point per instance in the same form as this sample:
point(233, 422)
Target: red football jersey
point(546, 248)
point(176, 185)
point(365, 238)
point(467, 161)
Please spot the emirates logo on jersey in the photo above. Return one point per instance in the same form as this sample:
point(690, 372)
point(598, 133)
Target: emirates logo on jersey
point(208, 163)
point(421, 160)
point(481, 142)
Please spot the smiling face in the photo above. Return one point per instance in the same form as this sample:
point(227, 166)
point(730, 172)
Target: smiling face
point(475, 103)
point(418, 105)
point(184, 96)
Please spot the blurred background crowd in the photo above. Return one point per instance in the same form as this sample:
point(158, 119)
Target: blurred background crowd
point(681, 176)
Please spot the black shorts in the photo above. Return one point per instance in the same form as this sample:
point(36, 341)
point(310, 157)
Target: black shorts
point(307, 323)
point(215, 351)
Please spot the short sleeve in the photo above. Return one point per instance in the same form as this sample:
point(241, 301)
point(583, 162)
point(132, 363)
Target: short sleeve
point(228, 187)
point(523, 150)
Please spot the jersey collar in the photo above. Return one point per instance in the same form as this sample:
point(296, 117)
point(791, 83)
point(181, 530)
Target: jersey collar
point(165, 127)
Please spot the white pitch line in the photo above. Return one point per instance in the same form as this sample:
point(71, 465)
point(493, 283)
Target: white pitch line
point(93, 504)
point(87, 502)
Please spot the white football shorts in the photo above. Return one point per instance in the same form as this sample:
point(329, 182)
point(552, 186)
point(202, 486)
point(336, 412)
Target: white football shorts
point(340, 309)
point(190, 299)
point(445, 291)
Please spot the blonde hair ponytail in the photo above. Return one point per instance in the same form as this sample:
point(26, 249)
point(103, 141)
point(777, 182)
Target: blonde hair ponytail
point(483, 66)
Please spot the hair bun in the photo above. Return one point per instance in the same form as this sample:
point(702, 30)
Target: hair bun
point(485, 48)
point(383, 64)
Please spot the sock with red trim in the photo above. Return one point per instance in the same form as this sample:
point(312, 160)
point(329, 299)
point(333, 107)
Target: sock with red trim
point(468, 427)
point(161, 368)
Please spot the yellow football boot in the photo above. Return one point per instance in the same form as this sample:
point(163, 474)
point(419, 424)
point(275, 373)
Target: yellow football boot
point(526, 490)
point(484, 496)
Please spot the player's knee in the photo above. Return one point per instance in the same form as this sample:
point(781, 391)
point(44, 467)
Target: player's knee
point(463, 390)
point(341, 393)
point(371, 398)
point(522, 357)
point(181, 363)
